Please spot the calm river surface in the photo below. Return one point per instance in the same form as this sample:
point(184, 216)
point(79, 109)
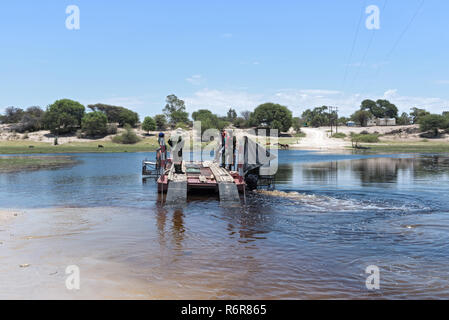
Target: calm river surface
point(330, 218)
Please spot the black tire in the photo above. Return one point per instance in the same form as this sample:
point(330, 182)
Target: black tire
point(251, 181)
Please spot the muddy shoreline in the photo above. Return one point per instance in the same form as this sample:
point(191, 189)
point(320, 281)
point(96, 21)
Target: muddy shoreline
point(13, 164)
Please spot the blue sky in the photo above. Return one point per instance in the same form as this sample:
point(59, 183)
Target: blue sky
point(221, 54)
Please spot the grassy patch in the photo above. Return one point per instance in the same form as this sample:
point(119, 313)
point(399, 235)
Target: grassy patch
point(14, 164)
point(412, 147)
point(300, 135)
point(366, 138)
point(31, 147)
point(339, 135)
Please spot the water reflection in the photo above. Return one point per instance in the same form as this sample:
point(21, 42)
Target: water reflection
point(331, 216)
point(385, 171)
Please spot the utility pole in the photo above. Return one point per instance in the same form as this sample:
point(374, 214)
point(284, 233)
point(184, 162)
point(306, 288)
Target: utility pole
point(333, 110)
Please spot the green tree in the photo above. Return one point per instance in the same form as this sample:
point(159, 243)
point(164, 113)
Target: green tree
point(404, 119)
point(208, 120)
point(380, 108)
point(95, 124)
point(161, 121)
point(12, 115)
point(361, 117)
point(373, 108)
point(116, 114)
point(389, 109)
point(231, 115)
point(432, 122)
point(417, 114)
point(32, 120)
point(272, 116)
point(64, 116)
point(317, 117)
point(175, 110)
point(297, 123)
point(127, 116)
point(246, 115)
point(149, 124)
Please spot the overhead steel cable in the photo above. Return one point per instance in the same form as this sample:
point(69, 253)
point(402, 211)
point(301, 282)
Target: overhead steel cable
point(370, 42)
point(398, 40)
point(354, 41)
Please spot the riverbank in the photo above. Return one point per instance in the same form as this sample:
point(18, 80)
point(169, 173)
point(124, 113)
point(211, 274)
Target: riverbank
point(392, 139)
point(28, 147)
point(410, 147)
point(31, 163)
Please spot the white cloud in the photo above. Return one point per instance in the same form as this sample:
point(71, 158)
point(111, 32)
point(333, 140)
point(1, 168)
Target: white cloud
point(218, 101)
point(299, 100)
point(196, 79)
point(404, 103)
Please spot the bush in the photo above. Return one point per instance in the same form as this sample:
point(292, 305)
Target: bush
point(128, 137)
point(300, 134)
point(339, 135)
point(95, 124)
point(432, 122)
point(367, 138)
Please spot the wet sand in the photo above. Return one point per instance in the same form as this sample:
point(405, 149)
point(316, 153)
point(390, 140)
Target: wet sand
point(116, 258)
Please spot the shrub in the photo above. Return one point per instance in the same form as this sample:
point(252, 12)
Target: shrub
point(367, 138)
point(432, 122)
point(339, 135)
point(95, 124)
point(128, 137)
point(300, 134)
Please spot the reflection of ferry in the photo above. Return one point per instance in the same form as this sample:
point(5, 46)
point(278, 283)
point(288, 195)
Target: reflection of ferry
point(228, 174)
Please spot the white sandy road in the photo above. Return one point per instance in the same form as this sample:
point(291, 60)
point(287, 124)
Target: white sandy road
point(318, 139)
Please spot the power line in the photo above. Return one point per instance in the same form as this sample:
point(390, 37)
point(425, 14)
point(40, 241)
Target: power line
point(368, 47)
point(353, 43)
point(396, 43)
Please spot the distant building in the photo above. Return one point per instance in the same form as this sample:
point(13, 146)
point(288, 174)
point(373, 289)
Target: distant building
point(350, 124)
point(381, 122)
point(371, 122)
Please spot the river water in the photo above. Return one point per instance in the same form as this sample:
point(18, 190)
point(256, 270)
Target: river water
point(331, 216)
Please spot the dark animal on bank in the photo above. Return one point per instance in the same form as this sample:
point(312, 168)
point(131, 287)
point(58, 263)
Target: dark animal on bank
point(283, 146)
point(100, 146)
point(31, 147)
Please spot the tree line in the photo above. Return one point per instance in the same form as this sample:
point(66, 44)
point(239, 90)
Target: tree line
point(67, 116)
